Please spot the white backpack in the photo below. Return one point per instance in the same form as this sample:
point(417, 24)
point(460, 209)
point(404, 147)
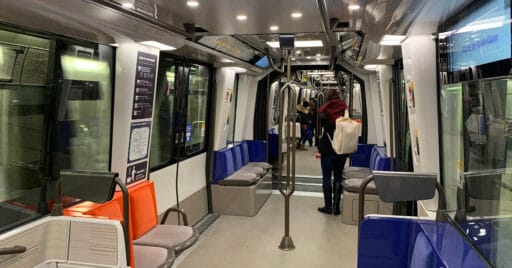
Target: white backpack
point(346, 135)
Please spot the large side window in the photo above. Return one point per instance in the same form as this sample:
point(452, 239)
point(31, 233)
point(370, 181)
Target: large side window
point(82, 129)
point(55, 113)
point(24, 62)
point(181, 105)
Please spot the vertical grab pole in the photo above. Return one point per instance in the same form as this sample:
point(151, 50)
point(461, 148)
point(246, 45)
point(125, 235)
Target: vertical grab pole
point(288, 123)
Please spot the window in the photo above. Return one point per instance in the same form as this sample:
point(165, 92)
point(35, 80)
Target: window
point(81, 133)
point(23, 91)
point(161, 139)
point(45, 129)
point(181, 105)
point(196, 109)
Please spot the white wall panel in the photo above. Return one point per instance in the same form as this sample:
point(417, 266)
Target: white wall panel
point(385, 73)
point(165, 187)
point(374, 114)
point(192, 175)
point(247, 89)
point(225, 81)
point(126, 61)
point(419, 57)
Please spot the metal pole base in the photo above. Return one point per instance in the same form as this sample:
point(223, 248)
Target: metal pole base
point(287, 244)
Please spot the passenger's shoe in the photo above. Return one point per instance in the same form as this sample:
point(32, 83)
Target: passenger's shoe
point(326, 210)
point(303, 147)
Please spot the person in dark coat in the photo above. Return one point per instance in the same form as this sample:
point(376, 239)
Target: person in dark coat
point(331, 162)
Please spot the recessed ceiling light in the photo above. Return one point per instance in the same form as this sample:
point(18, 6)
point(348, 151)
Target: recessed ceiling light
point(296, 15)
point(370, 67)
point(127, 5)
point(192, 3)
point(241, 17)
point(274, 28)
point(318, 59)
point(293, 58)
point(306, 43)
point(298, 52)
point(353, 7)
point(318, 54)
point(308, 57)
point(392, 40)
point(158, 45)
point(321, 73)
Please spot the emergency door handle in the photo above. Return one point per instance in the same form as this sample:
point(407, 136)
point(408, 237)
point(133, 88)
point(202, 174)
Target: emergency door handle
point(12, 250)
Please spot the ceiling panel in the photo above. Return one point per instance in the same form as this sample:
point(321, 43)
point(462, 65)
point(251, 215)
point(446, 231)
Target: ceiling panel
point(219, 16)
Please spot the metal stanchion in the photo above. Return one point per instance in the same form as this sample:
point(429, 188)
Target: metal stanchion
point(287, 128)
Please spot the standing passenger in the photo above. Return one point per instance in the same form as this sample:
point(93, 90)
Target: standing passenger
point(331, 162)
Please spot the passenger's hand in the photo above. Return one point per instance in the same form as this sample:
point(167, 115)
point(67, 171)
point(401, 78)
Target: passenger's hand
point(317, 154)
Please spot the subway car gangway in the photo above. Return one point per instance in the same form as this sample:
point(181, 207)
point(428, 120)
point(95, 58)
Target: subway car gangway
point(187, 133)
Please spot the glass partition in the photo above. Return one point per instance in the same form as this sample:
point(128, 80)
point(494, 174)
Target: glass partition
point(476, 128)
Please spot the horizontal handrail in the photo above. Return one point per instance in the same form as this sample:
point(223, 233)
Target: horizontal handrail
point(13, 250)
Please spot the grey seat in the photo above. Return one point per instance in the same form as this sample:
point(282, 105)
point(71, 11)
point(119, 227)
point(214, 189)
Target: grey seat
point(240, 179)
point(360, 173)
point(172, 237)
point(152, 257)
point(263, 165)
point(353, 185)
point(253, 169)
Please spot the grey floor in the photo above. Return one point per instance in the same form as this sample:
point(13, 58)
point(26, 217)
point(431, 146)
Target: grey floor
point(232, 241)
point(306, 164)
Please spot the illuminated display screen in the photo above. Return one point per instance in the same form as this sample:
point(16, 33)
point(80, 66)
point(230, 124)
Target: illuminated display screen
point(481, 37)
point(262, 63)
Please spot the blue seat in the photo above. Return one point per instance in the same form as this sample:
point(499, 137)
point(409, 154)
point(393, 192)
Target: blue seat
point(257, 150)
point(413, 242)
point(223, 164)
point(260, 149)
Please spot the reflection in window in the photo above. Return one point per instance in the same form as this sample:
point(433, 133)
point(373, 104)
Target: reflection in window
point(22, 117)
point(196, 109)
point(82, 136)
point(161, 139)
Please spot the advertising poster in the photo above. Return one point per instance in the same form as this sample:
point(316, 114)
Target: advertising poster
point(144, 85)
point(139, 141)
point(136, 172)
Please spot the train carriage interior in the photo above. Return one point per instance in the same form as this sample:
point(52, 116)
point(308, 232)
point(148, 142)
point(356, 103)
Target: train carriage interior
point(299, 133)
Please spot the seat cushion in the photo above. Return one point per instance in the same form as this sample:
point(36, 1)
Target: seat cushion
point(173, 237)
point(256, 170)
point(264, 165)
point(356, 174)
point(152, 257)
point(353, 185)
point(240, 179)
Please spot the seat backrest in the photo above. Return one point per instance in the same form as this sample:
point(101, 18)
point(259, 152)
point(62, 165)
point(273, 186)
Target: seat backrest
point(143, 208)
point(237, 156)
point(257, 150)
point(373, 157)
point(223, 164)
point(245, 152)
point(422, 253)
